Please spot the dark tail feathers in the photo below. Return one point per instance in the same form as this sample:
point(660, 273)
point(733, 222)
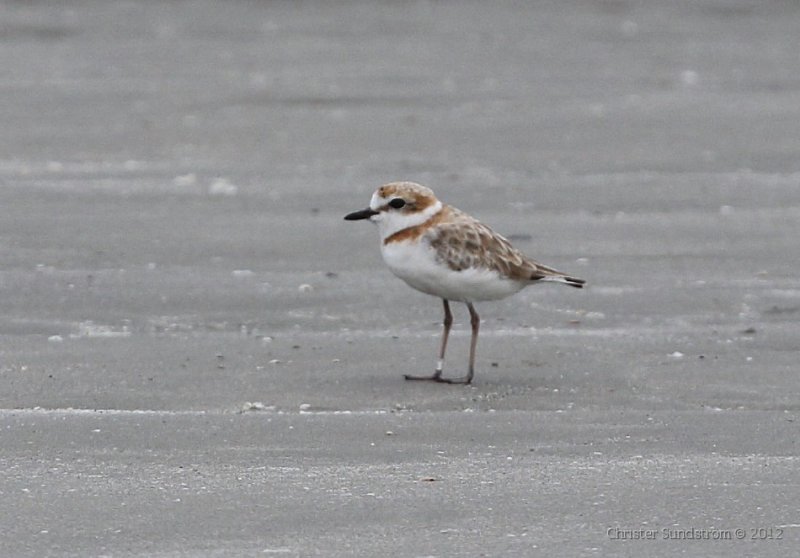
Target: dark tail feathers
point(565, 279)
point(574, 282)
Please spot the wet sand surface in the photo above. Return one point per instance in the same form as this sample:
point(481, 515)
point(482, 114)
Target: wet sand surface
point(199, 357)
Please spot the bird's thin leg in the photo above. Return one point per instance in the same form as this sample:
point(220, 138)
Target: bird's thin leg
point(448, 321)
point(475, 321)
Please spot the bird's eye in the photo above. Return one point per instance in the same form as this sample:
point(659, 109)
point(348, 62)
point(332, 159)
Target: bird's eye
point(397, 203)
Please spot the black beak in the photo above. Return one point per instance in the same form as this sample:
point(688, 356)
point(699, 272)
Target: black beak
point(358, 215)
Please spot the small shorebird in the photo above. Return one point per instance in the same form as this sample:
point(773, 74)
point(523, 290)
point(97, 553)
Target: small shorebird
point(441, 251)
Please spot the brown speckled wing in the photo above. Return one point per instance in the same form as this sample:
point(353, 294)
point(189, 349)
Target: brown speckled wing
point(462, 242)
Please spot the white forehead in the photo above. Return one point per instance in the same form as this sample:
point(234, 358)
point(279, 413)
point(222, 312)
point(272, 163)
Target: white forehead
point(378, 201)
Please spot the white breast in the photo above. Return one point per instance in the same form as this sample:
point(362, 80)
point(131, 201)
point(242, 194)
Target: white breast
point(415, 263)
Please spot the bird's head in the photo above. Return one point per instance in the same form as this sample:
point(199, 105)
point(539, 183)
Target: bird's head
point(397, 206)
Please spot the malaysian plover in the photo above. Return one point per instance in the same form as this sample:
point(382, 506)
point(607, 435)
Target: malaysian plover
point(441, 251)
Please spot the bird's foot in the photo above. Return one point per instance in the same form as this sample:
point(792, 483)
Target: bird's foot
point(437, 377)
